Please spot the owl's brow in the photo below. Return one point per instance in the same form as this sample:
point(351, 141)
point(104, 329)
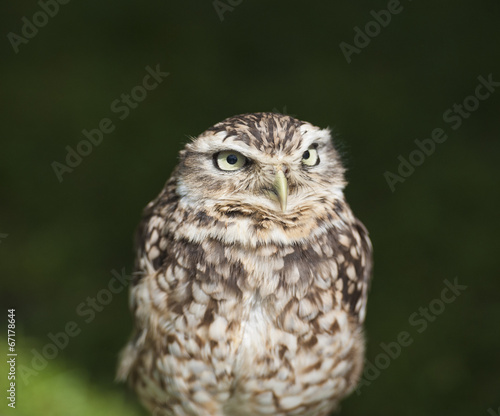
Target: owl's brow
point(263, 131)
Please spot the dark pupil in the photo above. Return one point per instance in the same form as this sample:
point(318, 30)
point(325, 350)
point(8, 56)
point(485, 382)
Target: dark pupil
point(232, 159)
point(306, 155)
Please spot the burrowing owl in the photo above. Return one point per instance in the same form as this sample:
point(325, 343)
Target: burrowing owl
point(252, 277)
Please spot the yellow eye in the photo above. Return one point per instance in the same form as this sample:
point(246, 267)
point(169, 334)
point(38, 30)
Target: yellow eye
point(310, 157)
point(230, 160)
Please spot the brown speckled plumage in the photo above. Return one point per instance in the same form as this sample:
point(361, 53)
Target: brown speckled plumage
point(242, 307)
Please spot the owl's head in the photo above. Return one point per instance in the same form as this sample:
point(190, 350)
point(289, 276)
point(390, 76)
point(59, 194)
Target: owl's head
point(264, 162)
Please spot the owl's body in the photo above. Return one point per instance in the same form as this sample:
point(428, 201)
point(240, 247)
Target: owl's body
point(248, 302)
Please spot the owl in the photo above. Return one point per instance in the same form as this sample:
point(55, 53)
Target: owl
point(251, 277)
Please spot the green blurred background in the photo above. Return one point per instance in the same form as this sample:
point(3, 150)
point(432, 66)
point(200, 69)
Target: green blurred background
point(64, 238)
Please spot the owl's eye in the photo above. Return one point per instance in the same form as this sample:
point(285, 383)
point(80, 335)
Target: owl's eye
point(230, 160)
point(310, 157)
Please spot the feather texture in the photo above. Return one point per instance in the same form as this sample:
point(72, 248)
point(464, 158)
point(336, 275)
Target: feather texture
point(241, 308)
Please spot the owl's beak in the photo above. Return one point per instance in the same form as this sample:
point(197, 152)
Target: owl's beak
point(280, 186)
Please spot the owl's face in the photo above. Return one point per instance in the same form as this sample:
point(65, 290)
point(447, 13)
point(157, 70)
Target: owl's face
point(270, 162)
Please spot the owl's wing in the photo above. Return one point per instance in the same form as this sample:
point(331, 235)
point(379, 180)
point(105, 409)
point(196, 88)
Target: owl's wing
point(151, 252)
point(355, 269)
point(150, 234)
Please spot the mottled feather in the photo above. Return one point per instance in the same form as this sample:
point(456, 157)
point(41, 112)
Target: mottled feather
point(242, 308)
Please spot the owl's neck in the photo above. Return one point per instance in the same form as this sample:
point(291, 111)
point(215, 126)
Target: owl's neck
point(248, 226)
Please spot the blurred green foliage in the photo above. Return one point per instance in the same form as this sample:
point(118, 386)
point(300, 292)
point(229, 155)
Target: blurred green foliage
point(62, 389)
point(65, 238)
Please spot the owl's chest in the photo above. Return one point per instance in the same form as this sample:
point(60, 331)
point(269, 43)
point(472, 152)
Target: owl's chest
point(255, 364)
point(290, 347)
point(265, 331)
